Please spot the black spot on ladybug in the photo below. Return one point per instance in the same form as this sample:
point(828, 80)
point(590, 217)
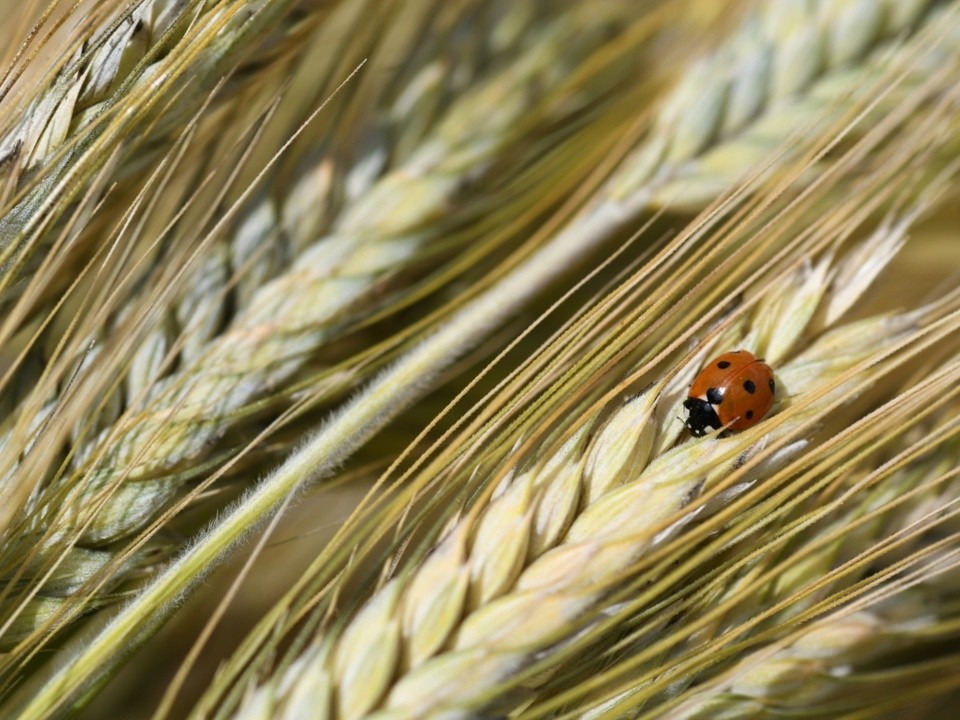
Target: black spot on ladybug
point(714, 396)
point(773, 387)
point(749, 386)
point(749, 414)
point(723, 364)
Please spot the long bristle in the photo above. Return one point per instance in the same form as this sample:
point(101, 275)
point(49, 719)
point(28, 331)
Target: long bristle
point(412, 294)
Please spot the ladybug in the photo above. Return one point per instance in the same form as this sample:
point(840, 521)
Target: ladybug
point(734, 391)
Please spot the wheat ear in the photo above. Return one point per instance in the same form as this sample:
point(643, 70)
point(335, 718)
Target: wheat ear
point(125, 79)
point(184, 437)
point(790, 68)
point(823, 668)
point(288, 216)
point(912, 538)
point(841, 548)
point(367, 412)
point(284, 218)
point(136, 465)
point(506, 583)
point(337, 278)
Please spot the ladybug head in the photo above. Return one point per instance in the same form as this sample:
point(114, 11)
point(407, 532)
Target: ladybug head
point(701, 417)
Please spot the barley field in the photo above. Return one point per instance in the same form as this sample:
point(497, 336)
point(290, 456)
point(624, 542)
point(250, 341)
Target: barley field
point(344, 347)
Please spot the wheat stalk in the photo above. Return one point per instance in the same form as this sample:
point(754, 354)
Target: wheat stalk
point(239, 355)
point(366, 420)
point(506, 582)
point(136, 464)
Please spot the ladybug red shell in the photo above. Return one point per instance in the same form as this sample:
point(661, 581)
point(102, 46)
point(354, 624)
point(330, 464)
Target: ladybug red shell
point(735, 390)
